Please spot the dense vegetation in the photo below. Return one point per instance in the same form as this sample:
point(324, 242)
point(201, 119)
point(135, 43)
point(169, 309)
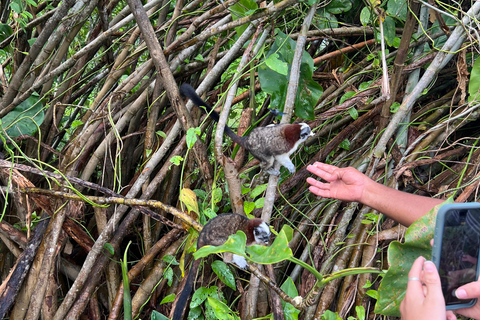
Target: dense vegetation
point(93, 127)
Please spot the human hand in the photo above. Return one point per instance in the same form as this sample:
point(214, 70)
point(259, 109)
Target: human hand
point(346, 184)
point(468, 291)
point(423, 302)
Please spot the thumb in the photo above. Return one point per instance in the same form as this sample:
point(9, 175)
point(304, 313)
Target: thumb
point(469, 291)
point(431, 279)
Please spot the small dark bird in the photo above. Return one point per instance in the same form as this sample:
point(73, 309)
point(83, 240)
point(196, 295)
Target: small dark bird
point(275, 142)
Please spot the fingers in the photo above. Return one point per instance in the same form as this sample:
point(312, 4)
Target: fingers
point(431, 278)
point(324, 171)
point(468, 291)
point(414, 285)
point(319, 188)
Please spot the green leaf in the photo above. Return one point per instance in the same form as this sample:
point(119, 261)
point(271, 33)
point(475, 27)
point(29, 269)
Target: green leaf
point(201, 295)
point(474, 83)
point(176, 160)
point(161, 134)
point(258, 190)
point(290, 312)
point(242, 9)
point(107, 246)
point(339, 6)
point(170, 260)
point(330, 315)
point(157, 315)
point(389, 30)
point(365, 16)
point(259, 203)
point(168, 274)
point(278, 251)
point(25, 118)
point(401, 257)
point(224, 273)
point(192, 136)
point(277, 65)
point(248, 206)
point(16, 7)
point(235, 243)
point(397, 8)
point(360, 310)
point(217, 195)
point(167, 299)
point(221, 310)
point(345, 144)
point(394, 107)
point(353, 113)
point(346, 95)
point(275, 83)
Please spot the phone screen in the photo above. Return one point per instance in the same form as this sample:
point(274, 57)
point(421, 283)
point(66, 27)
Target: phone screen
point(459, 252)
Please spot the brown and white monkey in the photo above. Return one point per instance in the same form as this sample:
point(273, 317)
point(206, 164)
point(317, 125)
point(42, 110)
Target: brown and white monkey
point(275, 142)
point(216, 233)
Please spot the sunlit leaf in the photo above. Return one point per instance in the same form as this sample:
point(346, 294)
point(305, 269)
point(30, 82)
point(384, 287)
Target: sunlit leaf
point(400, 259)
point(235, 243)
point(189, 199)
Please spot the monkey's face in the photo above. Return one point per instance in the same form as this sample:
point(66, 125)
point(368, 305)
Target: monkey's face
point(305, 131)
point(262, 233)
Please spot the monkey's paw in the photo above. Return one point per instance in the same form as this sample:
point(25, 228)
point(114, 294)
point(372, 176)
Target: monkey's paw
point(273, 171)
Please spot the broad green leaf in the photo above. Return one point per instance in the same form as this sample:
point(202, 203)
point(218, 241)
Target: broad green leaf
point(277, 65)
point(25, 118)
point(236, 243)
point(365, 16)
point(157, 315)
point(400, 259)
point(276, 84)
point(360, 310)
point(248, 206)
point(5, 31)
point(168, 298)
point(325, 20)
point(221, 310)
point(288, 232)
point(195, 313)
point(330, 315)
point(353, 113)
point(389, 30)
point(259, 202)
point(170, 260)
point(168, 274)
point(189, 199)
point(339, 6)
point(224, 273)
point(394, 107)
point(242, 9)
point(258, 190)
point(474, 83)
point(397, 9)
point(278, 251)
point(290, 312)
point(217, 195)
point(345, 144)
point(201, 294)
point(192, 136)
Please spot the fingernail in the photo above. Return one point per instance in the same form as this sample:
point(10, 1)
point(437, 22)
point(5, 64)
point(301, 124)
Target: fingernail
point(428, 266)
point(461, 294)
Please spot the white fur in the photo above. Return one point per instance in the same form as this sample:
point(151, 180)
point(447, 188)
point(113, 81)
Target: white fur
point(285, 161)
point(264, 229)
point(240, 261)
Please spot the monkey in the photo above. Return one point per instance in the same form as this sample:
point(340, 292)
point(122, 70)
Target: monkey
point(275, 142)
point(216, 233)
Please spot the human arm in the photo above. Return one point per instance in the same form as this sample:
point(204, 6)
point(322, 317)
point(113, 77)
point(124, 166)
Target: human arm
point(423, 302)
point(349, 184)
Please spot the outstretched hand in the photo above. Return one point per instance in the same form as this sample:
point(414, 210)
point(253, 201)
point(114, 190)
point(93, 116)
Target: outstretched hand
point(424, 297)
point(346, 184)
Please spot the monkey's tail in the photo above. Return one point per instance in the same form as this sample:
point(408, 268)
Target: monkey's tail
point(187, 289)
point(188, 91)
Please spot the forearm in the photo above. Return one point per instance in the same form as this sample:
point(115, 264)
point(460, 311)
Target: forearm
point(400, 206)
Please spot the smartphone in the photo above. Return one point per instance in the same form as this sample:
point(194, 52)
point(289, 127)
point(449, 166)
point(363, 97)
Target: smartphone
point(456, 248)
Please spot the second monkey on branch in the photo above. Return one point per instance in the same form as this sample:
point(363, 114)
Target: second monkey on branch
point(275, 142)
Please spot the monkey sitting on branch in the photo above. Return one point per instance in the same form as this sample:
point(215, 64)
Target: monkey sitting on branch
point(216, 233)
point(275, 142)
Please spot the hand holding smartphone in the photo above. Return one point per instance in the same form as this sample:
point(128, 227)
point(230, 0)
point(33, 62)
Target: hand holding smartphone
point(456, 248)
